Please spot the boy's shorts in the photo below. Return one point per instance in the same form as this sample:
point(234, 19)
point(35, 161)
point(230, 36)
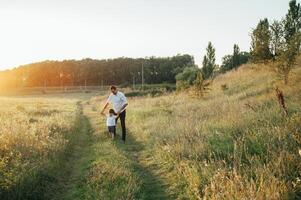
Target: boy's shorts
point(112, 129)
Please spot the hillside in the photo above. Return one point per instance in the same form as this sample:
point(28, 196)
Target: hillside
point(234, 143)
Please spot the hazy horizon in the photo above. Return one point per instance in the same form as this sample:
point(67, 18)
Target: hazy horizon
point(33, 31)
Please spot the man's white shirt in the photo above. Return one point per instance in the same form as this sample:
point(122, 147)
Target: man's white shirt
point(118, 101)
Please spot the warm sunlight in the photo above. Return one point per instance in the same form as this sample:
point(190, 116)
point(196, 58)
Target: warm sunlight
point(150, 100)
point(37, 30)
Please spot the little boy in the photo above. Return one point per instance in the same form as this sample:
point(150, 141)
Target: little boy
point(111, 122)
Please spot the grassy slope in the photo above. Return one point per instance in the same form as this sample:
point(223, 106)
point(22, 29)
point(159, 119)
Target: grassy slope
point(229, 145)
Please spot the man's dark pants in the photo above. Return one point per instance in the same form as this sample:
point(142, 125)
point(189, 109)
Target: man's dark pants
point(122, 121)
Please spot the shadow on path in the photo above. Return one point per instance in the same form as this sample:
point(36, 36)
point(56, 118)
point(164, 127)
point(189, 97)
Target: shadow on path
point(153, 186)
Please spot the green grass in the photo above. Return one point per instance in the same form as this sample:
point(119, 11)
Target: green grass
point(74, 165)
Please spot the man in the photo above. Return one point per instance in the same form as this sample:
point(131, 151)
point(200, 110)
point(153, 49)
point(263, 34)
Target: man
point(119, 103)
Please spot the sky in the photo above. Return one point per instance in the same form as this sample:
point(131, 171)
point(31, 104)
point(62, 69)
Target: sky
point(37, 30)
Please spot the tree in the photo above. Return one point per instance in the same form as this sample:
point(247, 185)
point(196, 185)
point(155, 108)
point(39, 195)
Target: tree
point(236, 57)
point(209, 61)
point(292, 22)
point(287, 57)
point(292, 36)
point(227, 63)
point(186, 78)
point(260, 44)
point(200, 86)
point(244, 57)
point(235, 60)
point(277, 34)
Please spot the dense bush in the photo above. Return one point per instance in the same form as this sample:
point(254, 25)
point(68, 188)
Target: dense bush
point(186, 78)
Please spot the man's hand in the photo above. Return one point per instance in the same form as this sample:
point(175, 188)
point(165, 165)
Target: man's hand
point(102, 112)
point(123, 108)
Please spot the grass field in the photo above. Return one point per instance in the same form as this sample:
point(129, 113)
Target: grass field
point(234, 143)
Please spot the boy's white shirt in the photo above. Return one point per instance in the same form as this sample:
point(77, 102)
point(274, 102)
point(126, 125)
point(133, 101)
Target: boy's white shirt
point(118, 101)
point(111, 120)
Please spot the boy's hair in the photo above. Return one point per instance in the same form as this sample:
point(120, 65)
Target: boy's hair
point(113, 87)
point(111, 111)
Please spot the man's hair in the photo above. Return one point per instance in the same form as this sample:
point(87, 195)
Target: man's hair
point(113, 87)
point(111, 111)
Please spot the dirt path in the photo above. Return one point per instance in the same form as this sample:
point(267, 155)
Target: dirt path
point(152, 186)
point(86, 149)
point(77, 160)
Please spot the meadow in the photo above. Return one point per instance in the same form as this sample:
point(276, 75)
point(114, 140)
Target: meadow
point(34, 135)
point(236, 142)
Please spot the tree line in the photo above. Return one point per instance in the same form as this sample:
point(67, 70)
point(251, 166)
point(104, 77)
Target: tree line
point(119, 71)
point(277, 43)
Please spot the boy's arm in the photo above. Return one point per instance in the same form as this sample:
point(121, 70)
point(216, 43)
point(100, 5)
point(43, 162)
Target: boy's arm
point(122, 108)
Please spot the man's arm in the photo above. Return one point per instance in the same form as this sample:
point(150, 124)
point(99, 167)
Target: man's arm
point(106, 104)
point(104, 107)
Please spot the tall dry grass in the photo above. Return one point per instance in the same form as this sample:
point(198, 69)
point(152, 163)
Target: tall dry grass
point(234, 143)
point(33, 132)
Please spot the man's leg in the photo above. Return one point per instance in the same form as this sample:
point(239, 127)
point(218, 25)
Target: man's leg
point(116, 124)
point(122, 121)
